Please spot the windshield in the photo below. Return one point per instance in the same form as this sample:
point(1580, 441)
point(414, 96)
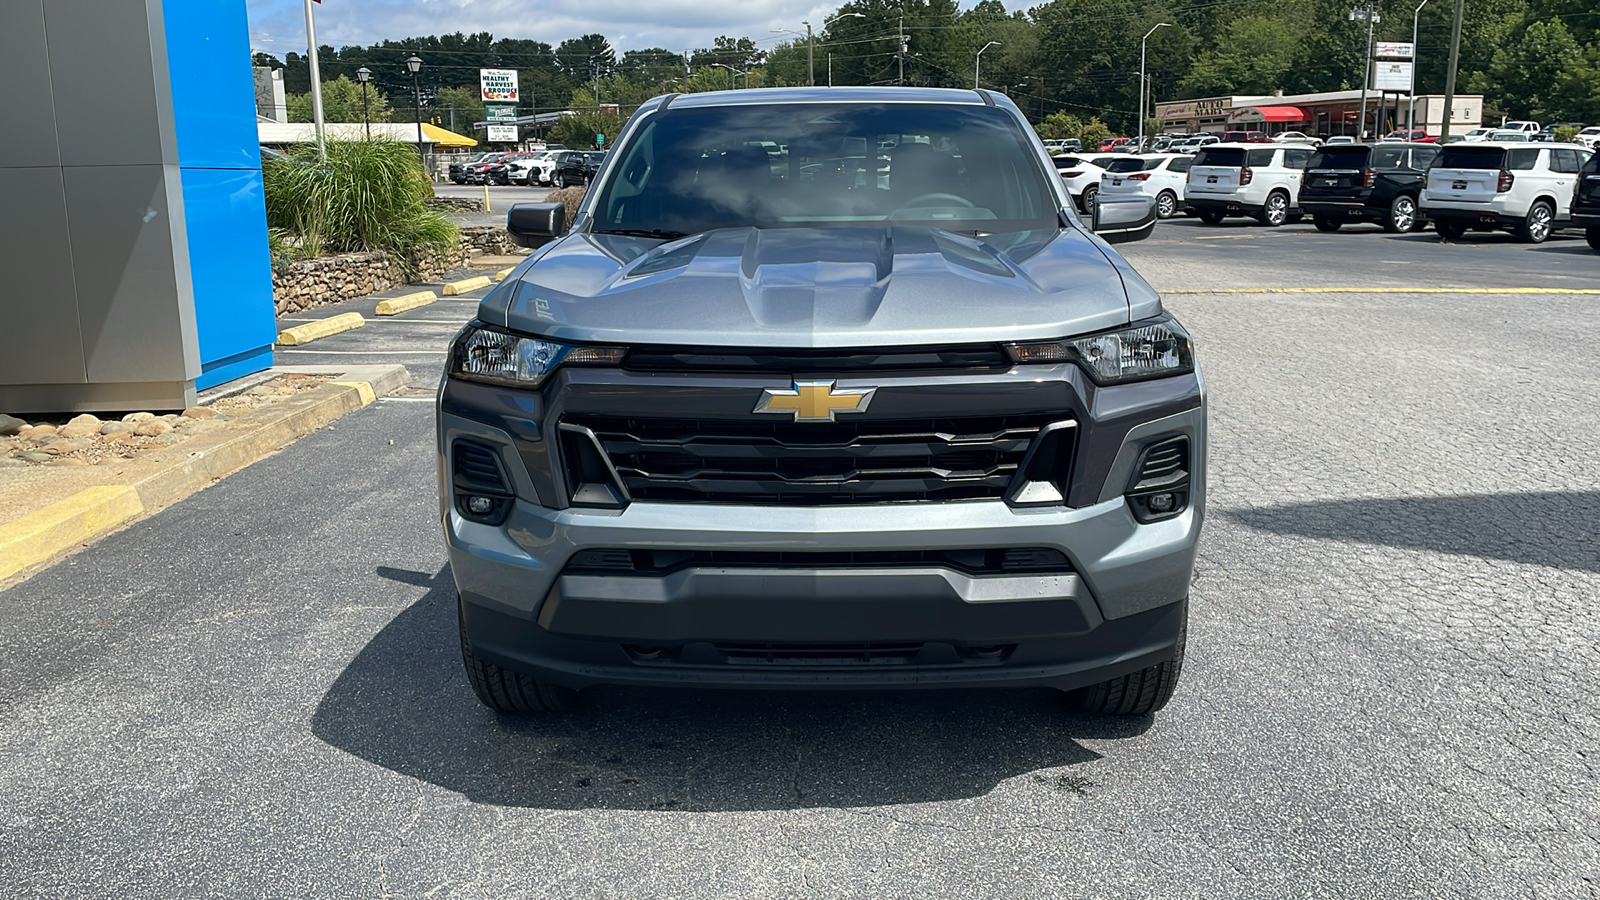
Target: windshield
point(963, 168)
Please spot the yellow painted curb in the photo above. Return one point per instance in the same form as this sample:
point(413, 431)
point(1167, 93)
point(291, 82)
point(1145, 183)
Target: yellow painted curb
point(501, 275)
point(1385, 290)
point(393, 306)
point(311, 331)
point(453, 288)
point(40, 535)
point(363, 388)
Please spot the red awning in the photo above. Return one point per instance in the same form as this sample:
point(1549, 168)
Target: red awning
point(1282, 114)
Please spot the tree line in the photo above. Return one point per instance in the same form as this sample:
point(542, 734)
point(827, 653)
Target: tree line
point(1075, 60)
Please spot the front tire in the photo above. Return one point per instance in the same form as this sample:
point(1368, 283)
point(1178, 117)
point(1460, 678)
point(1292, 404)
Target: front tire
point(561, 180)
point(1086, 199)
point(1166, 205)
point(1136, 694)
point(1326, 224)
point(1276, 210)
point(1593, 235)
point(1535, 229)
point(505, 691)
point(1402, 218)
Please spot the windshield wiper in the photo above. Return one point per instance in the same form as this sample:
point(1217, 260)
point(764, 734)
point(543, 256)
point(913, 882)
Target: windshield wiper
point(644, 232)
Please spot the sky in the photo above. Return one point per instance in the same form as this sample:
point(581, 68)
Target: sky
point(278, 26)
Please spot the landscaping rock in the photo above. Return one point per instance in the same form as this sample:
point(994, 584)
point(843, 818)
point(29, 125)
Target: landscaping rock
point(199, 412)
point(62, 446)
point(10, 462)
point(10, 425)
point(68, 462)
point(116, 429)
point(135, 418)
point(38, 431)
point(152, 427)
point(36, 456)
point(164, 439)
point(81, 426)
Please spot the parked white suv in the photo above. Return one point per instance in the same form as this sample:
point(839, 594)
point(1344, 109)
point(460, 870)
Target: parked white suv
point(1523, 188)
point(1589, 136)
point(1247, 180)
point(1081, 172)
point(1529, 128)
point(1162, 176)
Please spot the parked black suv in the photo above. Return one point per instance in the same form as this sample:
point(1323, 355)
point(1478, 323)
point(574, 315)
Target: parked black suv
point(1367, 183)
point(458, 170)
point(1586, 201)
point(577, 167)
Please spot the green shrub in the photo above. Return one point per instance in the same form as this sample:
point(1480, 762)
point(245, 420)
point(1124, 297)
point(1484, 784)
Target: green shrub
point(1565, 135)
point(367, 195)
point(571, 197)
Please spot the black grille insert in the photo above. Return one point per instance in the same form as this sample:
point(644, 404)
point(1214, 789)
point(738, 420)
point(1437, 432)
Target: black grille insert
point(1013, 561)
point(877, 654)
point(478, 467)
point(788, 362)
point(848, 462)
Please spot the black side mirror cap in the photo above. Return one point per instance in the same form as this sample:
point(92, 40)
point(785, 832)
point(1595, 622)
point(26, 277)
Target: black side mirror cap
point(536, 224)
point(1122, 219)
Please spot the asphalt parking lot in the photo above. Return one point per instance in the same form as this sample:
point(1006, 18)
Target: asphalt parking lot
point(1390, 688)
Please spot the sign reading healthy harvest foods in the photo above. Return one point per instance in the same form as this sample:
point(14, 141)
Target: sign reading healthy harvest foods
point(498, 84)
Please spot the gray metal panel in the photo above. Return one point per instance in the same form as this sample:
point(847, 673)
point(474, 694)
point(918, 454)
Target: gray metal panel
point(110, 79)
point(130, 254)
point(154, 396)
point(26, 107)
point(39, 309)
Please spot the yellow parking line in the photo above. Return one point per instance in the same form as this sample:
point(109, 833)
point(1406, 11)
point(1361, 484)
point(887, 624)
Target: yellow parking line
point(1380, 290)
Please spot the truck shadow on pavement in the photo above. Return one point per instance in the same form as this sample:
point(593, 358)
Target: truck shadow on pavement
point(404, 704)
point(1554, 529)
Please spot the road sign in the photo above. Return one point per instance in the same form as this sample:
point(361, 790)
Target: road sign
point(600, 140)
point(498, 84)
point(500, 112)
point(1393, 50)
point(502, 132)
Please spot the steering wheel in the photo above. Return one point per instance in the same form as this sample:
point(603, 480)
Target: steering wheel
point(953, 200)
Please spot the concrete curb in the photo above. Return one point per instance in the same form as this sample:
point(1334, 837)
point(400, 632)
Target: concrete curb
point(455, 288)
point(501, 275)
point(393, 306)
point(311, 331)
point(42, 535)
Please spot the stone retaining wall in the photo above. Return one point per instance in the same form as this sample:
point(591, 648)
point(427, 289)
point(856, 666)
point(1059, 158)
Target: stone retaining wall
point(467, 204)
point(333, 279)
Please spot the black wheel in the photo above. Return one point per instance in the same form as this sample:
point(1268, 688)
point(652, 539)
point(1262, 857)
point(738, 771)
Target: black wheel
point(1211, 216)
point(1449, 230)
point(1325, 223)
point(1536, 227)
point(1276, 211)
point(505, 691)
point(1086, 199)
point(1137, 694)
point(1593, 235)
point(561, 180)
point(1166, 205)
point(1402, 218)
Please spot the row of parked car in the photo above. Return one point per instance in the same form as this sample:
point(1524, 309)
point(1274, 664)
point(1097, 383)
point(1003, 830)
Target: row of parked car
point(556, 166)
point(1529, 189)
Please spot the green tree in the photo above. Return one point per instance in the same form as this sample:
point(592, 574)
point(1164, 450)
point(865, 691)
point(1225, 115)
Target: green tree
point(341, 102)
point(1519, 79)
point(1256, 53)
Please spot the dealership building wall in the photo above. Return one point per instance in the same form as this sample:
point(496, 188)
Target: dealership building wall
point(134, 241)
point(1322, 114)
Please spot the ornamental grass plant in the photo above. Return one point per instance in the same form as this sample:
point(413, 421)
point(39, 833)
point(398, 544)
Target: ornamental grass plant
point(367, 195)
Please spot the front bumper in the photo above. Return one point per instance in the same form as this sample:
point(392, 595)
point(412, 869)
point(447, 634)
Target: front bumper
point(1116, 605)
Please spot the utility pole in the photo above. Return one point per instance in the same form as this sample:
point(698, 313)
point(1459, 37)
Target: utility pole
point(1366, 65)
point(316, 83)
point(811, 57)
point(1450, 74)
point(1411, 110)
point(900, 56)
point(830, 70)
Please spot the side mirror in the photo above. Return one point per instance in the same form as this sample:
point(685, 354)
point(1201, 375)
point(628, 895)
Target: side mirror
point(1118, 220)
point(536, 224)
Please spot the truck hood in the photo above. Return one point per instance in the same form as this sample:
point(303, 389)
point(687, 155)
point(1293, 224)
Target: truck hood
point(820, 287)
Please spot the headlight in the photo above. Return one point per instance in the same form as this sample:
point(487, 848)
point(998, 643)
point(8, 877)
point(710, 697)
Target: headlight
point(1150, 349)
point(481, 354)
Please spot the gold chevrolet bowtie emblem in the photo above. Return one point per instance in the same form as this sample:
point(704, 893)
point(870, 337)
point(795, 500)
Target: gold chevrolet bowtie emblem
point(814, 401)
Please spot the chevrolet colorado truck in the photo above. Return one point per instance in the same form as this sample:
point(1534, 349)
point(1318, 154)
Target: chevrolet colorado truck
point(824, 388)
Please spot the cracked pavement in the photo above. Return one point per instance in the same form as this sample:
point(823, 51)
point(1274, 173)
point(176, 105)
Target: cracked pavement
point(1390, 689)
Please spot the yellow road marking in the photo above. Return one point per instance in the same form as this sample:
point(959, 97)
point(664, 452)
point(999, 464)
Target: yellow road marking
point(41, 534)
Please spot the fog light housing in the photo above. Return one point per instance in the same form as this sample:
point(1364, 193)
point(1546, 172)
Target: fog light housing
point(1161, 503)
point(480, 505)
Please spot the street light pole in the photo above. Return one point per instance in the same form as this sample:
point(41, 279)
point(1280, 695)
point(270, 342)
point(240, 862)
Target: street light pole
point(1411, 109)
point(977, 61)
point(811, 46)
point(1144, 101)
point(364, 75)
point(414, 65)
point(316, 83)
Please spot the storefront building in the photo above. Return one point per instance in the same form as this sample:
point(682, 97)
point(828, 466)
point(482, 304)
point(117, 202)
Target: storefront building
point(1319, 115)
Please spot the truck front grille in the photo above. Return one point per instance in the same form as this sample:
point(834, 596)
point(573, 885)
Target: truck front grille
point(687, 460)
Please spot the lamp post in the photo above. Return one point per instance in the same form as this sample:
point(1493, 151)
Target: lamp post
point(316, 83)
point(414, 65)
point(1411, 108)
point(1144, 100)
point(977, 61)
point(364, 75)
point(734, 81)
point(811, 42)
